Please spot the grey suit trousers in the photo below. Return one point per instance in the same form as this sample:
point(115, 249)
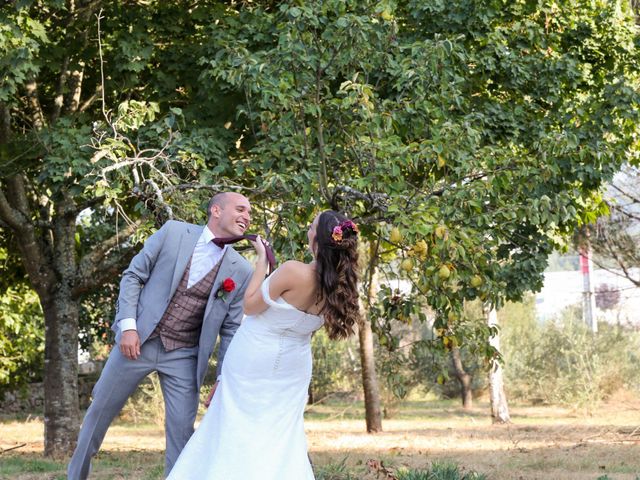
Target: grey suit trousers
point(118, 381)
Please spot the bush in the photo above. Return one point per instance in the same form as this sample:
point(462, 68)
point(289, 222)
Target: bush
point(562, 362)
point(336, 365)
point(21, 338)
point(146, 405)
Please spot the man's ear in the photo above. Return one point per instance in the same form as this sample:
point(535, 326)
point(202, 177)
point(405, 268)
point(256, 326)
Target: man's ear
point(215, 211)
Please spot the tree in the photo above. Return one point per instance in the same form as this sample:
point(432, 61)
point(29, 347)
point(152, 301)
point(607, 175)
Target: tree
point(463, 377)
point(479, 130)
point(90, 158)
point(499, 404)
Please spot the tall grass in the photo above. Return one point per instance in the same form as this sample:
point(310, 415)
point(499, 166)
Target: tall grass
point(439, 471)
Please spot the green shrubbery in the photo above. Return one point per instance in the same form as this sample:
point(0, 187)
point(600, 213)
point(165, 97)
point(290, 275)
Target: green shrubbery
point(336, 366)
point(21, 338)
point(562, 362)
point(439, 471)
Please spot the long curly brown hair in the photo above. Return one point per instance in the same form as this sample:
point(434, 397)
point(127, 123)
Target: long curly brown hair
point(337, 274)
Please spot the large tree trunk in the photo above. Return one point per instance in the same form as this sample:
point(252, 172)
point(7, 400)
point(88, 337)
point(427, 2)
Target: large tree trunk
point(373, 412)
point(61, 410)
point(463, 377)
point(62, 314)
point(499, 406)
point(49, 256)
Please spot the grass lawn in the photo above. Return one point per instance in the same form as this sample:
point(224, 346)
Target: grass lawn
point(542, 442)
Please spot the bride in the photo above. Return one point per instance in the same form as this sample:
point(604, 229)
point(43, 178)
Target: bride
point(253, 429)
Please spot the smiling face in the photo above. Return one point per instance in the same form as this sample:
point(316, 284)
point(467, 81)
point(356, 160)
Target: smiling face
point(229, 215)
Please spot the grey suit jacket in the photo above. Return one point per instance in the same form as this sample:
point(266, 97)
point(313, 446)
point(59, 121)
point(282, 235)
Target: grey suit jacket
point(151, 279)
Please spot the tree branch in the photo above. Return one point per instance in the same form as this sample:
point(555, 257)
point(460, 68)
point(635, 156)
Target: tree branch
point(324, 189)
point(18, 193)
point(59, 98)
point(90, 203)
point(97, 266)
point(89, 101)
point(33, 252)
point(12, 217)
point(37, 117)
point(623, 274)
point(625, 193)
point(160, 198)
point(5, 123)
point(75, 85)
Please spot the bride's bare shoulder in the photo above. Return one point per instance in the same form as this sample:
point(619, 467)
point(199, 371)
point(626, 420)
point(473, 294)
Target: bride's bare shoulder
point(296, 271)
point(296, 267)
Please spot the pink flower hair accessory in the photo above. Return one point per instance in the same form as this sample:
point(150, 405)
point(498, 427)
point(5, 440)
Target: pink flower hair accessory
point(338, 231)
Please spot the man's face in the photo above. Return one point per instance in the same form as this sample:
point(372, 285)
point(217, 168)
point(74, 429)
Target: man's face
point(232, 217)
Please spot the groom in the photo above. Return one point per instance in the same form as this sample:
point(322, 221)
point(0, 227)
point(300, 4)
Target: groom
point(178, 294)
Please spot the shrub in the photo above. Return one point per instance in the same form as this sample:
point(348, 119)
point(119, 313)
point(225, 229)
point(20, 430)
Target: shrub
point(21, 338)
point(562, 362)
point(336, 365)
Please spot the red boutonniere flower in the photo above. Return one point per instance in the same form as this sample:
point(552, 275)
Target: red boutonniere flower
point(228, 286)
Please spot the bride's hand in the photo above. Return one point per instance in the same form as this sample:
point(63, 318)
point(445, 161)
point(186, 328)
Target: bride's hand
point(260, 249)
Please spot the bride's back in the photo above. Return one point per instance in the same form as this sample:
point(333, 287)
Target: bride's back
point(300, 286)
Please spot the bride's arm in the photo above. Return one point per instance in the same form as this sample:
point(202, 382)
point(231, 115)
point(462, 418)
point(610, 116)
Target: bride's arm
point(253, 302)
point(283, 279)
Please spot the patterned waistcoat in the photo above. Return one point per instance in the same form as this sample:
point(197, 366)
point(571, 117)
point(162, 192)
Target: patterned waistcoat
point(182, 321)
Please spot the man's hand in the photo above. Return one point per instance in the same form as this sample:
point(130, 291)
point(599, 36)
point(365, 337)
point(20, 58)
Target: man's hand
point(130, 344)
point(207, 402)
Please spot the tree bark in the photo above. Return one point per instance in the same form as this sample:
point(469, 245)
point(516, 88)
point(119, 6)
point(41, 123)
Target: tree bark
point(61, 409)
point(463, 377)
point(373, 412)
point(62, 316)
point(499, 406)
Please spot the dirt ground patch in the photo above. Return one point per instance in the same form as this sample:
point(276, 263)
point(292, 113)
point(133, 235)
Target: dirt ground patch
point(540, 443)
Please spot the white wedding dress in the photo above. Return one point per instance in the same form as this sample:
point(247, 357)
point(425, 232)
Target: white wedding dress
point(253, 429)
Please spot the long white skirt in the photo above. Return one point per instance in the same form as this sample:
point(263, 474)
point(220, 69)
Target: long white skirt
point(253, 429)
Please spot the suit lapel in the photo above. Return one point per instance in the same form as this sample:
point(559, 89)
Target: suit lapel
point(215, 306)
point(229, 260)
point(186, 246)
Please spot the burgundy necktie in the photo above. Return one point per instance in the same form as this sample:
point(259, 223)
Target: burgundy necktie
point(271, 258)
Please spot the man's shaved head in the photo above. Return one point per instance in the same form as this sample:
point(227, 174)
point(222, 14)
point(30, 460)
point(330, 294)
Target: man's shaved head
point(218, 199)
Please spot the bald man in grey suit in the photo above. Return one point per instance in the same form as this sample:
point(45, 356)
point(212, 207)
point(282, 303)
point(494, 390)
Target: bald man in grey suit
point(171, 309)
